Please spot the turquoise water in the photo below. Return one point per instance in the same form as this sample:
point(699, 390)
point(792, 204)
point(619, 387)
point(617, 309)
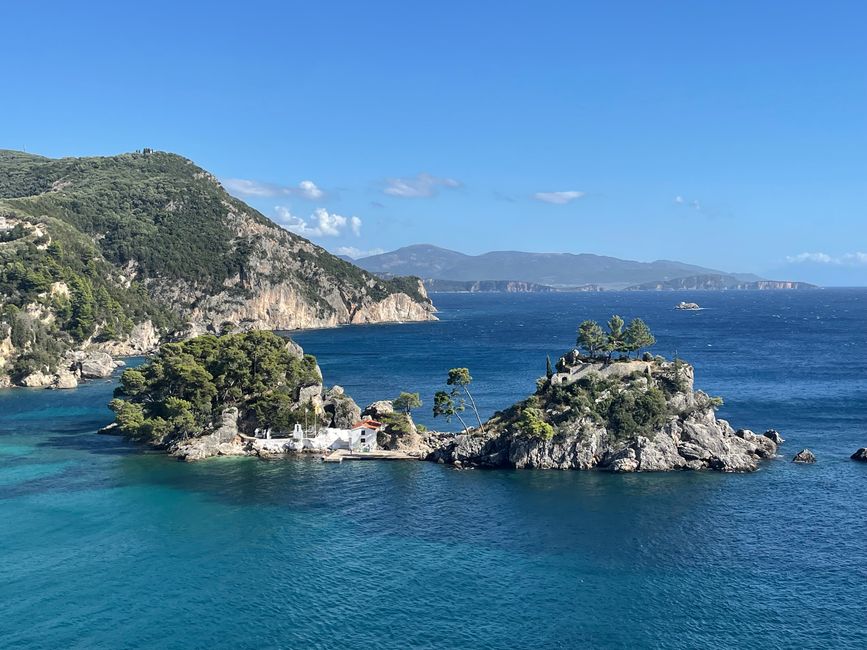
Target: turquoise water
point(104, 546)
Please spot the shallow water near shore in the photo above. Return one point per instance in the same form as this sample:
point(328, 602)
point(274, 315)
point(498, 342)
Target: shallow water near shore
point(106, 546)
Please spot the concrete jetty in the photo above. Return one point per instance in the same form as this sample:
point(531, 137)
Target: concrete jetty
point(339, 455)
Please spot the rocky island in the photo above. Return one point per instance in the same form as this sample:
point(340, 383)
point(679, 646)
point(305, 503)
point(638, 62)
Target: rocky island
point(622, 415)
point(600, 408)
point(211, 395)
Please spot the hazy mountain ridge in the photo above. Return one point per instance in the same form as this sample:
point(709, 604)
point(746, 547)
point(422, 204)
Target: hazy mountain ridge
point(557, 270)
point(710, 282)
point(496, 286)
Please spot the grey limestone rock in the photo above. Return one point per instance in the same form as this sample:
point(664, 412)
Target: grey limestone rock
point(804, 456)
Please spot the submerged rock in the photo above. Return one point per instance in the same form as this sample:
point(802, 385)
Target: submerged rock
point(860, 455)
point(804, 456)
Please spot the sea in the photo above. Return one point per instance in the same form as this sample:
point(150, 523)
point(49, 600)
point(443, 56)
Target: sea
point(104, 544)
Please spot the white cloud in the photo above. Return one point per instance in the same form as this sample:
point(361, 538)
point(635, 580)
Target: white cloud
point(420, 186)
point(558, 198)
point(357, 253)
point(245, 187)
point(308, 190)
point(679, 199)
point(320, 224)
point(846, 259)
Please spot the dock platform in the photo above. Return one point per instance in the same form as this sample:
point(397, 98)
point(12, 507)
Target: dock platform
point(339, 455)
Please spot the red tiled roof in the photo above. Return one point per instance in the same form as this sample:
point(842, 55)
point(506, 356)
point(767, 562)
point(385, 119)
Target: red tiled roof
point(367, 424)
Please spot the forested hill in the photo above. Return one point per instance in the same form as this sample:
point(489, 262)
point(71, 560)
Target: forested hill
point(93, 250)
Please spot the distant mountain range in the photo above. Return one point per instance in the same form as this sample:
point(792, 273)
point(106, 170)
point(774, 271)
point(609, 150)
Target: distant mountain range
point(496, 286)
point(714, 281)
point(546, 271)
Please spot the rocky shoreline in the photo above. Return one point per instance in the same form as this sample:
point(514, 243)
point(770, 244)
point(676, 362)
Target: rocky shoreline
point(697, 443)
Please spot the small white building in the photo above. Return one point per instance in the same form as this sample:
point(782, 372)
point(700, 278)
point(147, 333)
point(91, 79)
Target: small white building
point(361, 437)
point(365, 432)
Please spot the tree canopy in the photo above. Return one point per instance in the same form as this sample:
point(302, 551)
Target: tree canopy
point(445, 405)
point(406, 402)
point(597, 342)
point(461, 379)
point(183, 389)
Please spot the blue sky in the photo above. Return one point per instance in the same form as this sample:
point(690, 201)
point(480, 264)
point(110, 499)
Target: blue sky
point(728, 134)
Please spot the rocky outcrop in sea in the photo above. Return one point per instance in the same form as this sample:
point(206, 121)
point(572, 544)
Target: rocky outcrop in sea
point(686, 434)
point(804, 456)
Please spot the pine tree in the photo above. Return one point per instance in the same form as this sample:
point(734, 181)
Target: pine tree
point(614, 340)
point(638, 336)
point(460, 378)
point(406, 402)
point(590, 337)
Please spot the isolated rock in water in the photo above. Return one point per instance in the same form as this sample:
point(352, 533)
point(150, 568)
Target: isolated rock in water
point(860, 455)
point(775, 436)
point(378, 410)
point(804, 456)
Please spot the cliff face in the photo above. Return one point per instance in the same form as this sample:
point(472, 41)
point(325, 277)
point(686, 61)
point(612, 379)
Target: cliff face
point(285, 283)
point(145, 246)
point(622, 417)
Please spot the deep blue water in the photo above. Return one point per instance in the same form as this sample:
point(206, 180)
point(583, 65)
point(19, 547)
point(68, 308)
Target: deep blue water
point(104, 546)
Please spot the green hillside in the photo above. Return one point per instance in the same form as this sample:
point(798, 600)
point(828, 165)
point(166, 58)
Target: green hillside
point(91, 246)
